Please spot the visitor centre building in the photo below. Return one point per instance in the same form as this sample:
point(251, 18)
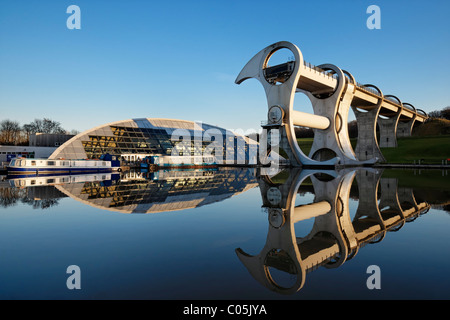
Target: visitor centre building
point(185, 141)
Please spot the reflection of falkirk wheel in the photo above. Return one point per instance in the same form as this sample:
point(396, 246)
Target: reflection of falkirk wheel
point(326, 244)
point(332, 92)
point(334, 237)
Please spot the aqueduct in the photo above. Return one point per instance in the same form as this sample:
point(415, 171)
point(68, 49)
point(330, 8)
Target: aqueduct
point(332, 92)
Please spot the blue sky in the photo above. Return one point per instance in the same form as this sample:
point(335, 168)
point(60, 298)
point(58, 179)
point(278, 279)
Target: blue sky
point(179, 59)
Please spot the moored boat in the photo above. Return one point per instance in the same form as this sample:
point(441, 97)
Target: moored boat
point(30, 167)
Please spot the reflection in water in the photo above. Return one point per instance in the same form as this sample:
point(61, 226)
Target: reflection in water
point(164, 190)
point(338, 232)
point(139, 192)
point(40, 191)
point(335, 238)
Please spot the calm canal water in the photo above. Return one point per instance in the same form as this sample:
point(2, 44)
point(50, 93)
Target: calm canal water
point(236, 233)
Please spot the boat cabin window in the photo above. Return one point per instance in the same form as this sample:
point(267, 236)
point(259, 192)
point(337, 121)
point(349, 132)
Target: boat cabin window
point(13, 162)
point(33, 163)
point(50, 163)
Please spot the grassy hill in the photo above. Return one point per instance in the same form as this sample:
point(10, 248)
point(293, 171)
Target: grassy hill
point(431, 149)
point(429, 143)
point(433, 127)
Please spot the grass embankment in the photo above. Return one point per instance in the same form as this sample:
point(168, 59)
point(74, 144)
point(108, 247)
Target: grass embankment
point(429, 143)
point(428, 149)
point(305, 144)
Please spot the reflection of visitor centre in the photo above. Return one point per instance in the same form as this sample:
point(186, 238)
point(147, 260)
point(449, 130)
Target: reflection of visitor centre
point(135, 139)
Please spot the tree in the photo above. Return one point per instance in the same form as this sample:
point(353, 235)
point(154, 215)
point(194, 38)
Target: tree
point(74, 132)
point(43, 126)
point(434, 114)
point(445, 113)
point(9, 132)
point(353, 129)
point(27, 129)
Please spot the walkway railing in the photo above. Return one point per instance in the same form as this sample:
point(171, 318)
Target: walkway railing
point(393, 100)
point(320, 70)
point(368, 89)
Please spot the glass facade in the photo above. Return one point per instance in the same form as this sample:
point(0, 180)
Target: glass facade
point(129, 140)
point(141, 137)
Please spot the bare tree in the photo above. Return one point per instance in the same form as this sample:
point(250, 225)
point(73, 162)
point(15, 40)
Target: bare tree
point(27, 129)
point(434, 114)
point(9, 132)
point(12, 133)
point(445, 113)
point(44, 126)
point(74, 132)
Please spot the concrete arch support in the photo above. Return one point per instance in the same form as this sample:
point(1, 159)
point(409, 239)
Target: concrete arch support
point(388, 127)
point(404, 128)
point(335, 139)
point(367, 146)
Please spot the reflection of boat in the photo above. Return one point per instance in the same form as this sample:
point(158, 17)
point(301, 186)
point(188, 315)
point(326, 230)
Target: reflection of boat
point(35, 167)
point(35, 181)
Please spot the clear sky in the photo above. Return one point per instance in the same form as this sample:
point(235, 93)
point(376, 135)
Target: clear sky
point(179, 59)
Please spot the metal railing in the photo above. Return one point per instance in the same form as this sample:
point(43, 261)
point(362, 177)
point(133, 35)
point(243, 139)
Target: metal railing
point(393, 100)
point(368, 89)
point(326, 73)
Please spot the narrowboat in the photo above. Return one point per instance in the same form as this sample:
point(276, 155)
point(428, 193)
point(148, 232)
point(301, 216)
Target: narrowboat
point(30, 167)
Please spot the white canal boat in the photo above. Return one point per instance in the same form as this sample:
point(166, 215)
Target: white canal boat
point(27, 167)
